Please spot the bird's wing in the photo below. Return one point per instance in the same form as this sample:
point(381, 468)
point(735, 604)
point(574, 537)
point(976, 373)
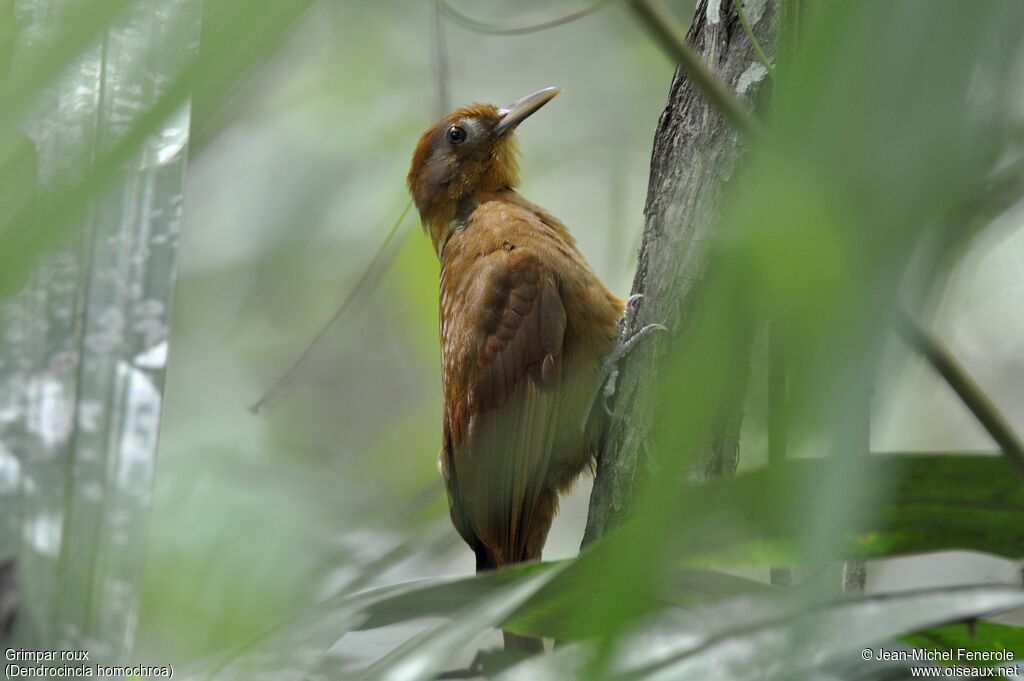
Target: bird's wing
point(502, 413)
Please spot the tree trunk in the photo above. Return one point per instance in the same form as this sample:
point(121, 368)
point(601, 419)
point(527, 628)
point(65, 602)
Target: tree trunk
point(695, 153)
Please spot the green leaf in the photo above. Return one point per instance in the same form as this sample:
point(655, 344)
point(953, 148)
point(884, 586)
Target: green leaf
point(834, 632)
point(300, 645)
point(978, 636)
point(533, 599)
point(422, 657)
point(562, 609)
point(923, 503)
point(753, 511)
point(442, 598)
point(919, 503)
point(778, 637)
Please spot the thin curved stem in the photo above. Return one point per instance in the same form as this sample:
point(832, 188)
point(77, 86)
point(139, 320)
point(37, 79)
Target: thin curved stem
point(753, 39)
point(479, 26)
point(373, 271)
point(668, 36)
point(441, 72)
point(969, 392)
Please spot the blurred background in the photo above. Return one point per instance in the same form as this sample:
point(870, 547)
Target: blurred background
point(295, 174)
point(290, 191)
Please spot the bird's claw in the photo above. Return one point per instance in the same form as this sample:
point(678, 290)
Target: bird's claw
point(608, 390)
point(632, 299)
point(610, 370)
point(626, 320)
point(626, 346)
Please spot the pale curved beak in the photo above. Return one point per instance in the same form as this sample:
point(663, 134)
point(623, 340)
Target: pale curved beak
point(519, 110)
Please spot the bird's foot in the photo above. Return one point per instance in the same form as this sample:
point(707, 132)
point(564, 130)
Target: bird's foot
point(610, 370)
point(626, 320)
point(626, 346)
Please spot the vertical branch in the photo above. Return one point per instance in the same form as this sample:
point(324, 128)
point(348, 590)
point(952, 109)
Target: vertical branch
point(696, 150)
point(92, 316)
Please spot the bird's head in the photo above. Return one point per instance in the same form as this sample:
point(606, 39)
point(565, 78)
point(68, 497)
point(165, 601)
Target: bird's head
point(470, 150)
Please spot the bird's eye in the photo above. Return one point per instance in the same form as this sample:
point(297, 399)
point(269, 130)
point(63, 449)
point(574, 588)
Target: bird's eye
point(457, 134)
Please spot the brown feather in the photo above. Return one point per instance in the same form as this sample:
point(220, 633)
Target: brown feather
point(525, 326)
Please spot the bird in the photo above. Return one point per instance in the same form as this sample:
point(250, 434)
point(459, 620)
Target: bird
point(526, 327)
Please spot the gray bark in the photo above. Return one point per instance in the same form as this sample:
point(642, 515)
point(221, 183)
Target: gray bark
point(695, 153)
